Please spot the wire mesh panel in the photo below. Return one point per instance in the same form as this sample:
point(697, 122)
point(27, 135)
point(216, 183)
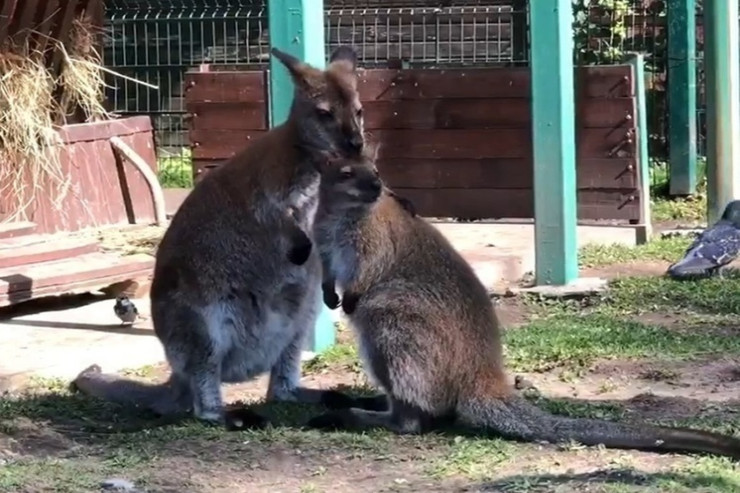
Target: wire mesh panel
point(471, 33)
point(153, 44)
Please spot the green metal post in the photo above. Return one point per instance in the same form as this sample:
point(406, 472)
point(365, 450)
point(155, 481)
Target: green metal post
point(721, 60)
point(682, 95)
point(297, 27)
point(644, 231)
point(553, 128)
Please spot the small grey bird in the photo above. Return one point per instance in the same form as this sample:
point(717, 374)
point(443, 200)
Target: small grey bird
point(125, 310)
point(715, 247)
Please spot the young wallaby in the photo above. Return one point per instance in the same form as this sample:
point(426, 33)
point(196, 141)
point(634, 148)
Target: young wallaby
point(226, 304)
point(428, 334)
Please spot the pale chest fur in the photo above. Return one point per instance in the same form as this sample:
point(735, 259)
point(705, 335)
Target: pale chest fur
point(305, 201)
point(338, 246)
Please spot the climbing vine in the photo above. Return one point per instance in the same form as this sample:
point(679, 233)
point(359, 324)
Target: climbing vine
point(600, 29)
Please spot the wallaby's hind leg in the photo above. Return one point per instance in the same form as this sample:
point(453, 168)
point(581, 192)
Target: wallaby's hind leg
point(401, 418)
point(285, 375)
point(199, 358)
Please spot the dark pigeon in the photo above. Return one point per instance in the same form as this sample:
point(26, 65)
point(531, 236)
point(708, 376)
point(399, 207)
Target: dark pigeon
point(714, 248)
point(125, 310)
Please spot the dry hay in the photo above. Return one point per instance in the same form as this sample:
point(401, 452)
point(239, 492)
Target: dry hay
point(28, 141)
point(82, 74)
point(29, 110)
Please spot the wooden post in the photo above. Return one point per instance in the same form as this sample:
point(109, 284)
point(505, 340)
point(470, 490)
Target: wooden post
point(682, 95)
point(553, 129)
point(723, 105)
point(297, 27)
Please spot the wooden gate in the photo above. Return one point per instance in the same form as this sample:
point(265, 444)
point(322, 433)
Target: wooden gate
point(457, 142)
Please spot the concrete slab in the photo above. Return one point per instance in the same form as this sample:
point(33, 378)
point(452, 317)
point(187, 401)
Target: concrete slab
point(58, 344)
point(503, 252)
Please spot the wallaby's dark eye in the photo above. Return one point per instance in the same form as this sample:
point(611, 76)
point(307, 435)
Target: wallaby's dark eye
point(359, 113)
point(324, 114)
point(346, 173)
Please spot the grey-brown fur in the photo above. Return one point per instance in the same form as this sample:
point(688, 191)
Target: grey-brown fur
point(227, 305)
point(429, 337)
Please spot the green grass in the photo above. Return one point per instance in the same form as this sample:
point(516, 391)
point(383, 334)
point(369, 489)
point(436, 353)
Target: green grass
point(668, 249)
point(176, 171)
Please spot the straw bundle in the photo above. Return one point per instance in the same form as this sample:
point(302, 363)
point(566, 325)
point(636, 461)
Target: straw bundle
point(32, 100)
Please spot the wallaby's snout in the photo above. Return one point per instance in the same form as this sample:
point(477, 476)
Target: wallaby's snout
point(355, 140)
point(369, 188)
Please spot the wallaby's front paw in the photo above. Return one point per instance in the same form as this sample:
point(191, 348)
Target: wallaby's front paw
point(244, 419)
point(333, 399)
point(300, 250)
point(331, 298)
point(327, 421)
point(349, 302)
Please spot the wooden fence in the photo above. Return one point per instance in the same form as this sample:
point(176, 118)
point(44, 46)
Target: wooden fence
point(456, 142)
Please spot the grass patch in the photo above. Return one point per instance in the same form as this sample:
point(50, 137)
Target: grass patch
point(714, 296)
point(176, 171)
point(668, 249)
point(574, 341)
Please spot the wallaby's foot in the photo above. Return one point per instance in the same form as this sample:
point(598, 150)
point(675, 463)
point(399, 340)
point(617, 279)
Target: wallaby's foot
point(334, 399)
point(349, 302)
point(331, 298)
point(90, 370)
point(242, 418)
point(300, 248)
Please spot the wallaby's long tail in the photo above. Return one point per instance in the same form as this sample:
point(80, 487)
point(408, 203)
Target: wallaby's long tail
point(164, 399)
point(516, 418)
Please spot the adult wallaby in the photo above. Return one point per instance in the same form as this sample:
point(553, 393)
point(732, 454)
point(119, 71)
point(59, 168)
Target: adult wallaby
point(226, 303)
point(428, 334)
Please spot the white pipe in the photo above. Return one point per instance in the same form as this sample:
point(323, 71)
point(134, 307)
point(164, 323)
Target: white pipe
point(139, 163)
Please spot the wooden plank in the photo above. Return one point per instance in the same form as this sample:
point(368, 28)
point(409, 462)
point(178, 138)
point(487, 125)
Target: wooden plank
point(487, 113)
point(6, 17)
point(225, 87)
point(228, 116)
point(499, 173)
point(43, 249)
point(437, 144)
point(25, 21)
point(47, 22)
point(60, 272)
point(15, 229)
point(510, 82)
point(61, 33)
point(515, 203)
point(220, 144)
point(104, 130)
point(80, 286)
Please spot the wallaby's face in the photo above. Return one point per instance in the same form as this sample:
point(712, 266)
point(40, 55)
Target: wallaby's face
point(352, 183)
point(326, 103)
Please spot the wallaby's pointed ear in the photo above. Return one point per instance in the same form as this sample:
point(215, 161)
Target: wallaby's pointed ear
point(346, 55)
point(297, 69)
